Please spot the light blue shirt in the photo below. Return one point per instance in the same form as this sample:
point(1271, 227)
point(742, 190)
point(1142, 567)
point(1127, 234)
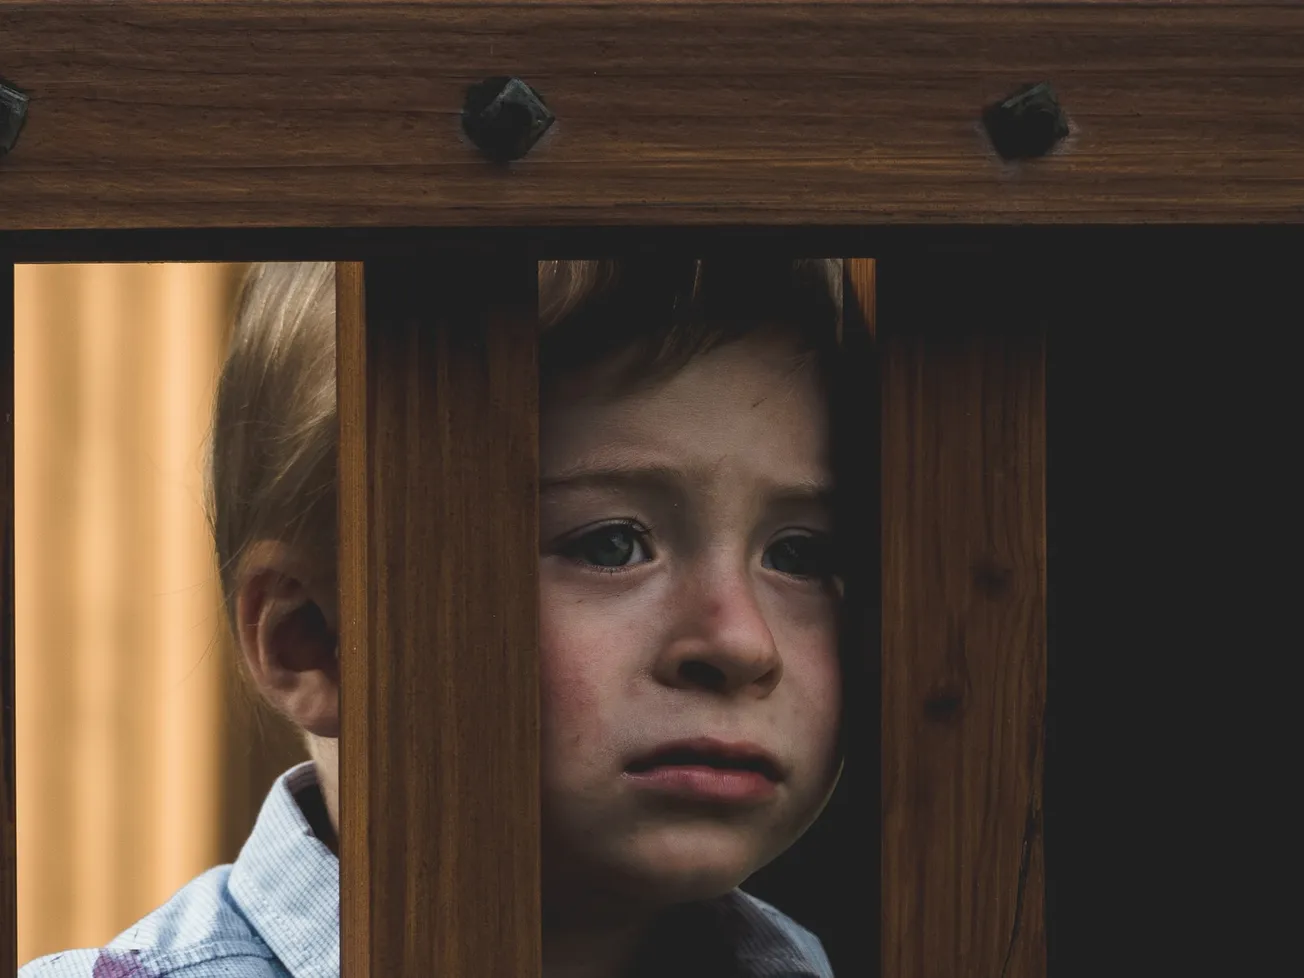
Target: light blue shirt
point(275, 913)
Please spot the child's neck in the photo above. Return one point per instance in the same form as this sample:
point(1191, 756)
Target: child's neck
point(582, 943)
point(593, 954)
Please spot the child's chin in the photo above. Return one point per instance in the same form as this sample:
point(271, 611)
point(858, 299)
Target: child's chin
point(692, 865)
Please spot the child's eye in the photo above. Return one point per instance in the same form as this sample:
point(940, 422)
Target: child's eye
point(801, 556)
point(610, 547)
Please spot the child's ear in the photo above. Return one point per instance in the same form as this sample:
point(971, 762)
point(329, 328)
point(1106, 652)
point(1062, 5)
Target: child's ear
point(286, 633)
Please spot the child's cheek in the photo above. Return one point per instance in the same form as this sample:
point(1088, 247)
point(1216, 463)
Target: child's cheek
point(576, 717)
point(827, 707)
point(813, 710)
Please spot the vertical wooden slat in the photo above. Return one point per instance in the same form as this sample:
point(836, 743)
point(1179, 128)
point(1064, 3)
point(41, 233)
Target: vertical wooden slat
point(438, 559)
point(354, 617)
point(964, 623)
point(860, 295)
point(9, 845)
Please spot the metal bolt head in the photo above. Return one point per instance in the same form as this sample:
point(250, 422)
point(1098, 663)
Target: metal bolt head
point(13, 112)
point(1027, 124)
point(505, 117)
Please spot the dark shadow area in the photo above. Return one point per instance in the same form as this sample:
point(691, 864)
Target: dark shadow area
point(1173, 426)
point(1174, 430)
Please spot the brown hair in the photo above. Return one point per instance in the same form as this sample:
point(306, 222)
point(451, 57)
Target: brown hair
point(273, 445)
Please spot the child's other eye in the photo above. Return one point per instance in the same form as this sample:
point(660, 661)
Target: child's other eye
point(801, 556)
point(610, 547)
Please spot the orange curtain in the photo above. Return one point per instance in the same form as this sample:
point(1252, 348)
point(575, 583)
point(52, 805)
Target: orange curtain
point(135, 768)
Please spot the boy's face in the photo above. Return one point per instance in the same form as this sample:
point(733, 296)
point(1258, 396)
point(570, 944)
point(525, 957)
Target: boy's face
point(686, 596)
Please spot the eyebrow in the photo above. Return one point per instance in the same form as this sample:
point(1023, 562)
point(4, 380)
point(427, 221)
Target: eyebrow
point(669, 479)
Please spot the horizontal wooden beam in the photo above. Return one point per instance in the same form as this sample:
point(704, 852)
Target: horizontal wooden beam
point(298, 113)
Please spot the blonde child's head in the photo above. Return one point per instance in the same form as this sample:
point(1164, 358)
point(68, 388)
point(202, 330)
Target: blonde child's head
point(687, 585)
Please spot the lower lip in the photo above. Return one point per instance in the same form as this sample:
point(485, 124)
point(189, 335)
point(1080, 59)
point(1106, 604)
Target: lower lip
point(705, 783)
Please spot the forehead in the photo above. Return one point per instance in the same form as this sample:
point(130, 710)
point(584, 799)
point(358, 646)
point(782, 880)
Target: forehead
point(750, 401)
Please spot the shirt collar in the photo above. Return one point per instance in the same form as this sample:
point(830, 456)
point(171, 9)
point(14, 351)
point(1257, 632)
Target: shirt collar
point(735, 935)
point(763, 942)
point(287, 882)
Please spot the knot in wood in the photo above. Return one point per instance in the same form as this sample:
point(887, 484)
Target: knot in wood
point(991, 578)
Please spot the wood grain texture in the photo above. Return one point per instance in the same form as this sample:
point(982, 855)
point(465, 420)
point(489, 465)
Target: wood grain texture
point(294, 113)
point(8, 818)
point(439, 550)
point(860, 308)
point(964, 622)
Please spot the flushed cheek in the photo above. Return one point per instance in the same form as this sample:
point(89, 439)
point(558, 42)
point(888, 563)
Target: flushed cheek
point(577, 689)
point(814, 709)
point(827, 700)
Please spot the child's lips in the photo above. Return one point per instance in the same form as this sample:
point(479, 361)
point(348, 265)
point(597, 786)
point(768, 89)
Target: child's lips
point(701, 782)
point(704, 769)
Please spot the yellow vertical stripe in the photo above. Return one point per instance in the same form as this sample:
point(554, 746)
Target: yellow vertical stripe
point(96, 603)
point(119, 669)
point(191, 688)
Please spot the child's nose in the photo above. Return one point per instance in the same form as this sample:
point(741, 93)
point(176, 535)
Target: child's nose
point(723, 644)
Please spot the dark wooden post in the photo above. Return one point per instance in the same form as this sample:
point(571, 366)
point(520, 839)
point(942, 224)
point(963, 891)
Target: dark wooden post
point(438, 599)
point(964, 624)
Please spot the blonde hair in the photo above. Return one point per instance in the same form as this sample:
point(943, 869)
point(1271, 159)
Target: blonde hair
point(273, 445)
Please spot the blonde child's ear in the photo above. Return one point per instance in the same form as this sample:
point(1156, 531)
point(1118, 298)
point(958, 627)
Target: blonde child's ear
point(286, 634)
